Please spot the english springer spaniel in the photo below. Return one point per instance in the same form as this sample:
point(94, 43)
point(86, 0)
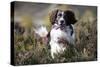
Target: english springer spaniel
point(62, 32)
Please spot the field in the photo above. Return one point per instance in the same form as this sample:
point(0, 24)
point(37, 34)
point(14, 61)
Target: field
point(30, 49)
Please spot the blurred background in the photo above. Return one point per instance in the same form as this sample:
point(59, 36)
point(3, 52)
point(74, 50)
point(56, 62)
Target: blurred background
point(32, 24)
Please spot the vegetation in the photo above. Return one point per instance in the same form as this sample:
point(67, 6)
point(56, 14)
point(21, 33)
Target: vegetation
point(32, 50)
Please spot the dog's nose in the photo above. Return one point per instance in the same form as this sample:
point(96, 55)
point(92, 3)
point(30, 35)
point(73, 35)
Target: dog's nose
point(62, 22)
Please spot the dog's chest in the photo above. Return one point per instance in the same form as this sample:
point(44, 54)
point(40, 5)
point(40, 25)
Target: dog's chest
point(55, 34)
point(58, 45)
point(63, 34)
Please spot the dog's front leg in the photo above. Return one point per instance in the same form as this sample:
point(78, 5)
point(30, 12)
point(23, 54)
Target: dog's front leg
point(52, 54)
point(52, 50)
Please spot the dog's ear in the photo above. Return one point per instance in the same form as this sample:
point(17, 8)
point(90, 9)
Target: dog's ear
point(70, 17)
point(53, 16)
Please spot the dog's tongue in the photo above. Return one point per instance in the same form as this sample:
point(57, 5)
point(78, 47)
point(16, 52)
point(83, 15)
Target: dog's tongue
point(61, 27)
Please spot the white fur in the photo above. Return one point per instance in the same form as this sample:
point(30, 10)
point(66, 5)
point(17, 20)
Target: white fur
point(58, 33)
point(41, 31)
point(60, 18)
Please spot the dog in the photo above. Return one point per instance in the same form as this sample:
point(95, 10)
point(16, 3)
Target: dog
point(62, 31)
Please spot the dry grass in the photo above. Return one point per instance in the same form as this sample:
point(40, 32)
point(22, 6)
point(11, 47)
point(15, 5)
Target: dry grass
point(31, 50)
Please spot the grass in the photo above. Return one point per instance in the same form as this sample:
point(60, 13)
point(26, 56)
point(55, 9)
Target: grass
point(30, 50)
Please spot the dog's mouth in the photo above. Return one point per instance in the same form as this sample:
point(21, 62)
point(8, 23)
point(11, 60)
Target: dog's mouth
point(59, 26)
point(62, 26)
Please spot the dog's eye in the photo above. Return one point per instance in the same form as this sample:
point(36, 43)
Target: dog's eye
point(60, 15)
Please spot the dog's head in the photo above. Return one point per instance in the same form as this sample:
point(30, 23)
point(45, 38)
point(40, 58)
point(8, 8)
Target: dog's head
point(62, 17)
